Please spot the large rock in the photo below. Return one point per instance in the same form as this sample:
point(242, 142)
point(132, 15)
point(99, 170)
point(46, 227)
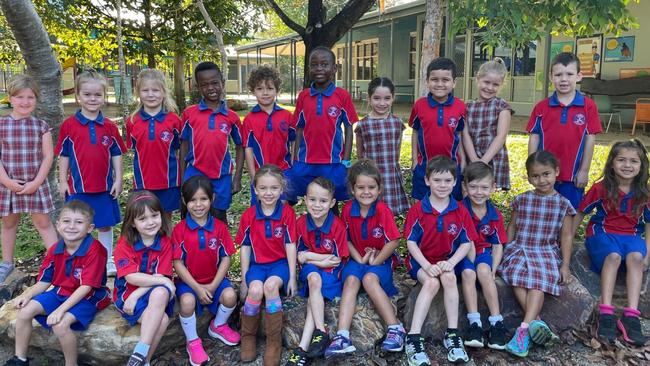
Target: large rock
point(581, 267)
point(570, 310)
point(13, 285)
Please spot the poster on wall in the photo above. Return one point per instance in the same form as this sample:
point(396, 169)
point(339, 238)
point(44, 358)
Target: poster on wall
point(619, 49)
point(559, 47)
point(589, 50)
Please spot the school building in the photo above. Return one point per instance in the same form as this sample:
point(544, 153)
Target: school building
point(388, 44)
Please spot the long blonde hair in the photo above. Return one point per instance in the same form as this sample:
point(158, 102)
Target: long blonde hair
point(90, 76)
point(496, 66)
point(168, 103)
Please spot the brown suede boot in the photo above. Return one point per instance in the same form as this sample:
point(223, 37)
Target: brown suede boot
point(273, 339)
point(249, 325)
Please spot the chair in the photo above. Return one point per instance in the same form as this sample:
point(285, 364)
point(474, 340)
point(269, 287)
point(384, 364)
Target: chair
point(642, 113)
point(604, 104)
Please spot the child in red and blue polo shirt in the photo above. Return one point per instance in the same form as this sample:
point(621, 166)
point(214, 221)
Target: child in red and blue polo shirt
point(153, 132)
point(438, 120)
point(76, 268)
point(144, 291)
point(439, 232)
point(204, 139)
point(566, 125)
point(202, 250)
point(322, 147)
point(90, 150)
point(267, 131)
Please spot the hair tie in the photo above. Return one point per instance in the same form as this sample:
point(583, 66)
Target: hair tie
point(143, 197)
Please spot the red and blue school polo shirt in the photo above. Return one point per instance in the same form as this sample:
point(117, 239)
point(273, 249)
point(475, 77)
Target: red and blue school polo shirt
point(490, 229)
point(85, 267)
point(320, 113)
point(372, 231)
point(201, 248)
point(613, 220)
point(267, 235)
point(331, 238)
point(155, 141)
point(270, 136)
point(562, 130)
point(139, 258)
point(438, 234)
point(438, 126)
point(206, 132)
point(89, 146)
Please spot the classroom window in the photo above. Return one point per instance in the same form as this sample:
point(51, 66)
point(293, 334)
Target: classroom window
point(413, 47)
point(232, 69)
point(365, 59)
point(459, 55)
point(525, 59)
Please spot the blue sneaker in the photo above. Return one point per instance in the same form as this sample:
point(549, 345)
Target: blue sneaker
point(340, 346)
point(520, 343)
point(394, 341)
point(541, 334)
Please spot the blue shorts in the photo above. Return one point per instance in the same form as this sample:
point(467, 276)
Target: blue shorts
point(222, 188)
point(183, 288)
point(141, 306)
point(170, 198)
point(465, 263)
point(301, 174)
point(383, 271)
point(107, 209)
point(331, 282)
point(84, 311)
point(601, 245)
point(420, 189)
point(262, 272)
point(570, 192)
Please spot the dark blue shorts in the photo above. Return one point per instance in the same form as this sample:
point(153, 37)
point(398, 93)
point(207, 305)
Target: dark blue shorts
point(420, 189)
point(107, 209)
point(222, 188)
point(383, 271)
point(170, 198)
point(261, 272)
point(601, 245)
point(570, 192)
point(141, 306)
point(84, 311)
point(183, 288)
point(465, 263)
point(331, 282)
point(301, 174)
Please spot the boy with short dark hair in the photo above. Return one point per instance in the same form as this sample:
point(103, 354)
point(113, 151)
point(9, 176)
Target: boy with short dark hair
point(566, 125)
point(76, 267)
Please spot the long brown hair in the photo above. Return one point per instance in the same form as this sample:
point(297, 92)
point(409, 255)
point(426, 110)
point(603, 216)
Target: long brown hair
point(135, 207)
point(639, 186)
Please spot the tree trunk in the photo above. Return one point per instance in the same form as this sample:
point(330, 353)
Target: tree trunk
point(124, 102)
point(147, 33)
point(430, 39)
point(219, 37)
point(179, 79)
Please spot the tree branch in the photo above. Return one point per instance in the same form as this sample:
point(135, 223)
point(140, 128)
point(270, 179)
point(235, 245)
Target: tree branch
point(285, 18)
point(218, 35)
point(347, 17)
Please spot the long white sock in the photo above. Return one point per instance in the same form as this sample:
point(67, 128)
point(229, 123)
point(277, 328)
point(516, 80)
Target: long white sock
point(106, 238)
point(222, 315)
point(189, 327)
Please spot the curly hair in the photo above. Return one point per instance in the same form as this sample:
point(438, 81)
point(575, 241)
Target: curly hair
point(264, 74)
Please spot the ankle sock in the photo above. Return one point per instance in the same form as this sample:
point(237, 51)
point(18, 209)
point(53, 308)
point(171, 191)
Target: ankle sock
point(631, 312)
point(495, 318)
point(397, 326)
point(251, 307)
point(523, 325)
point(606, 309)
point(189, 327)
point(474, 318)
point(273, 305)
point(223, 313)
point(344, 332)
point(142, 348)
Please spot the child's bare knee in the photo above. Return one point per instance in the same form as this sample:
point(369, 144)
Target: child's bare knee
point(467, 275)
point(41, 222)
point(613, 258)
point(61, 328)
point(314, 280)
point(448, 279)
point(483, 271)
point(431, 284)
point(256, 291)
point(159, 295)
point(188, 302)
point(229, 297)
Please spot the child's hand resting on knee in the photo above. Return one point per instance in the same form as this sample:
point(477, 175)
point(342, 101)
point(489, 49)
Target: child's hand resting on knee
point(21, 301)
point(445, 266)
point(55, 317)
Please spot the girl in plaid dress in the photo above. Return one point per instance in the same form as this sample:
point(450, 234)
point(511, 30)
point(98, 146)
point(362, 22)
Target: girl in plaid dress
point(488, 123)
point(531, 261)
point(26, 155)
point(379, 138)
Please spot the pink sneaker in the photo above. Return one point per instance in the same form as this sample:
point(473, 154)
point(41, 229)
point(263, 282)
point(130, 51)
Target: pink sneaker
point(196, 352)
point(224, 333)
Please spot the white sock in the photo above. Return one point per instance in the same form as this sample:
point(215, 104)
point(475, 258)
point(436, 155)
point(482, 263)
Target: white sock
point(474, 318)
point(344, 332)
point(223, 313)
point(495, 318)
point(106, 238)
point(397, 326)
point(189, 327)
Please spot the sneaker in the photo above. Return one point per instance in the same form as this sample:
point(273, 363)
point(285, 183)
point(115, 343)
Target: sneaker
point(541, 334)
point(497, 336)
point(607, 327)
point(455, 349)
point(415, 354)
point(224, 333)
point(319, 342)
point(340, 345)
point(111, 270)
point(394, 341)
point(136, 359)
point(5, 270)
point(15, 361)
point(630, 326)
point(474, 337)
point(520, 343)
point(196, 352)
point(297, 358)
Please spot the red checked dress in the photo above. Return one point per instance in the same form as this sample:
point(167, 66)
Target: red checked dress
point(382, 139)
point(481, 123)
point(21, 153)
point(532, 260)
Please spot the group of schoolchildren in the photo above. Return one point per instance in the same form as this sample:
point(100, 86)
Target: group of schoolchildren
point(452, 231)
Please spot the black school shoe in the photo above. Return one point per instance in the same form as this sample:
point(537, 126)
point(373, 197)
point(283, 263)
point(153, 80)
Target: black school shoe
point(15, 361)
point(607, 327)
point(497, 338)
point(630, 326)
point(474, 336)
point(319, 342)
point(297, 358)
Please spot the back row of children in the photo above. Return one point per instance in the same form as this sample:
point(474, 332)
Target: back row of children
point(331, 106)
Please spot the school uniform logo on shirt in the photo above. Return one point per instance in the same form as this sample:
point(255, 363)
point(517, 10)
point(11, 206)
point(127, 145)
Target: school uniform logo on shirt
point(224, 127)
point(579, 119)
point(486, 229)
point(106, 140)
point(332, 111)
point(77, 273)
point(452, 229)
point(284, 126)
point(453, 122)
point(277, 232)
point(165, 136)
point(327, 244)
point(212, 244)
point(377, 232)
point(122, 263)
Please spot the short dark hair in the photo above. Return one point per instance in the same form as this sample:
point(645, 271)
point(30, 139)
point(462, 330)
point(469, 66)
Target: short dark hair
point(81, 207)
point(541, 157)
point(565, 59)
point(440, 164)
point(326, 50)
point(477, 170)
point(325, 183)
point(264, 74)
point(207, 65)
point(442, 63)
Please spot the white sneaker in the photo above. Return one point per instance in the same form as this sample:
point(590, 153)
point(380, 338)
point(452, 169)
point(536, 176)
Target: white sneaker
point(111, 270)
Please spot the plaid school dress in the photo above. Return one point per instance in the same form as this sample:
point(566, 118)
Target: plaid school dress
point(532, 259)
point(481, 123)
point(382, 139)
point(21, 143)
